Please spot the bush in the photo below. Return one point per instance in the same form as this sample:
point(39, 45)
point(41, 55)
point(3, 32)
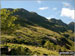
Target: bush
point(58, 47)
point(49, 45)
point(20, 51)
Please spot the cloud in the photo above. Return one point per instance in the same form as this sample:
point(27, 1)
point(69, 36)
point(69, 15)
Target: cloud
point(48, 17)
point(39, 1)
point(67, 12)
point(43, 8)
point(54, 8)
point(66, 4)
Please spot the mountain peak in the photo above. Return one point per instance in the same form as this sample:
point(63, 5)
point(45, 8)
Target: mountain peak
point(72, 23)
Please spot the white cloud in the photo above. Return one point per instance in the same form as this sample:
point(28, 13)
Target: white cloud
point(43, 8)
point(66, 4)
point(48, 17)
point(67, 12)
point(39, 1)
point(54, 8)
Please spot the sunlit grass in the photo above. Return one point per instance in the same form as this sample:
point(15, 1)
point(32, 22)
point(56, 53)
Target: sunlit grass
point(33, 49)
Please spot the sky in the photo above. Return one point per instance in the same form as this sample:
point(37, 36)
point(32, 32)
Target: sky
point(59, 9)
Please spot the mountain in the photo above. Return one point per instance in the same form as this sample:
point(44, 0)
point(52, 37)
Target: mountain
point(32, 18)
point(19, 26)
point(58, 22)
point(71, 26)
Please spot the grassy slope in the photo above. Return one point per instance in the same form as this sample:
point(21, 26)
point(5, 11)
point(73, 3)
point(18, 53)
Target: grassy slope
point(39, 32)
point(33, 49)
point(35, 33)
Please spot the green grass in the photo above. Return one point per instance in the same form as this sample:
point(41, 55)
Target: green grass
point(33, 49)
point(8, 36)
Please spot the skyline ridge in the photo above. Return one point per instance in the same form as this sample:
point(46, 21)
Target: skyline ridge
point(38, 14)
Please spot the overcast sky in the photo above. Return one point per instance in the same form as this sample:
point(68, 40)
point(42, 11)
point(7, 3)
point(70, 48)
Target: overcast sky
point(63, 9)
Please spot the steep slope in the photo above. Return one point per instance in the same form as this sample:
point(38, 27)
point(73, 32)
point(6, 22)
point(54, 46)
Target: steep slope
point(31, 18)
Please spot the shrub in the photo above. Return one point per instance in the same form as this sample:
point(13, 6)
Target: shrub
point(49, 45)
point(20, 51)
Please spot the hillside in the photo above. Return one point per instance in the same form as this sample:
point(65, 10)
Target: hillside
point(34, 50)
point(32, 18)
point(71, 25)
point(20, 26)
